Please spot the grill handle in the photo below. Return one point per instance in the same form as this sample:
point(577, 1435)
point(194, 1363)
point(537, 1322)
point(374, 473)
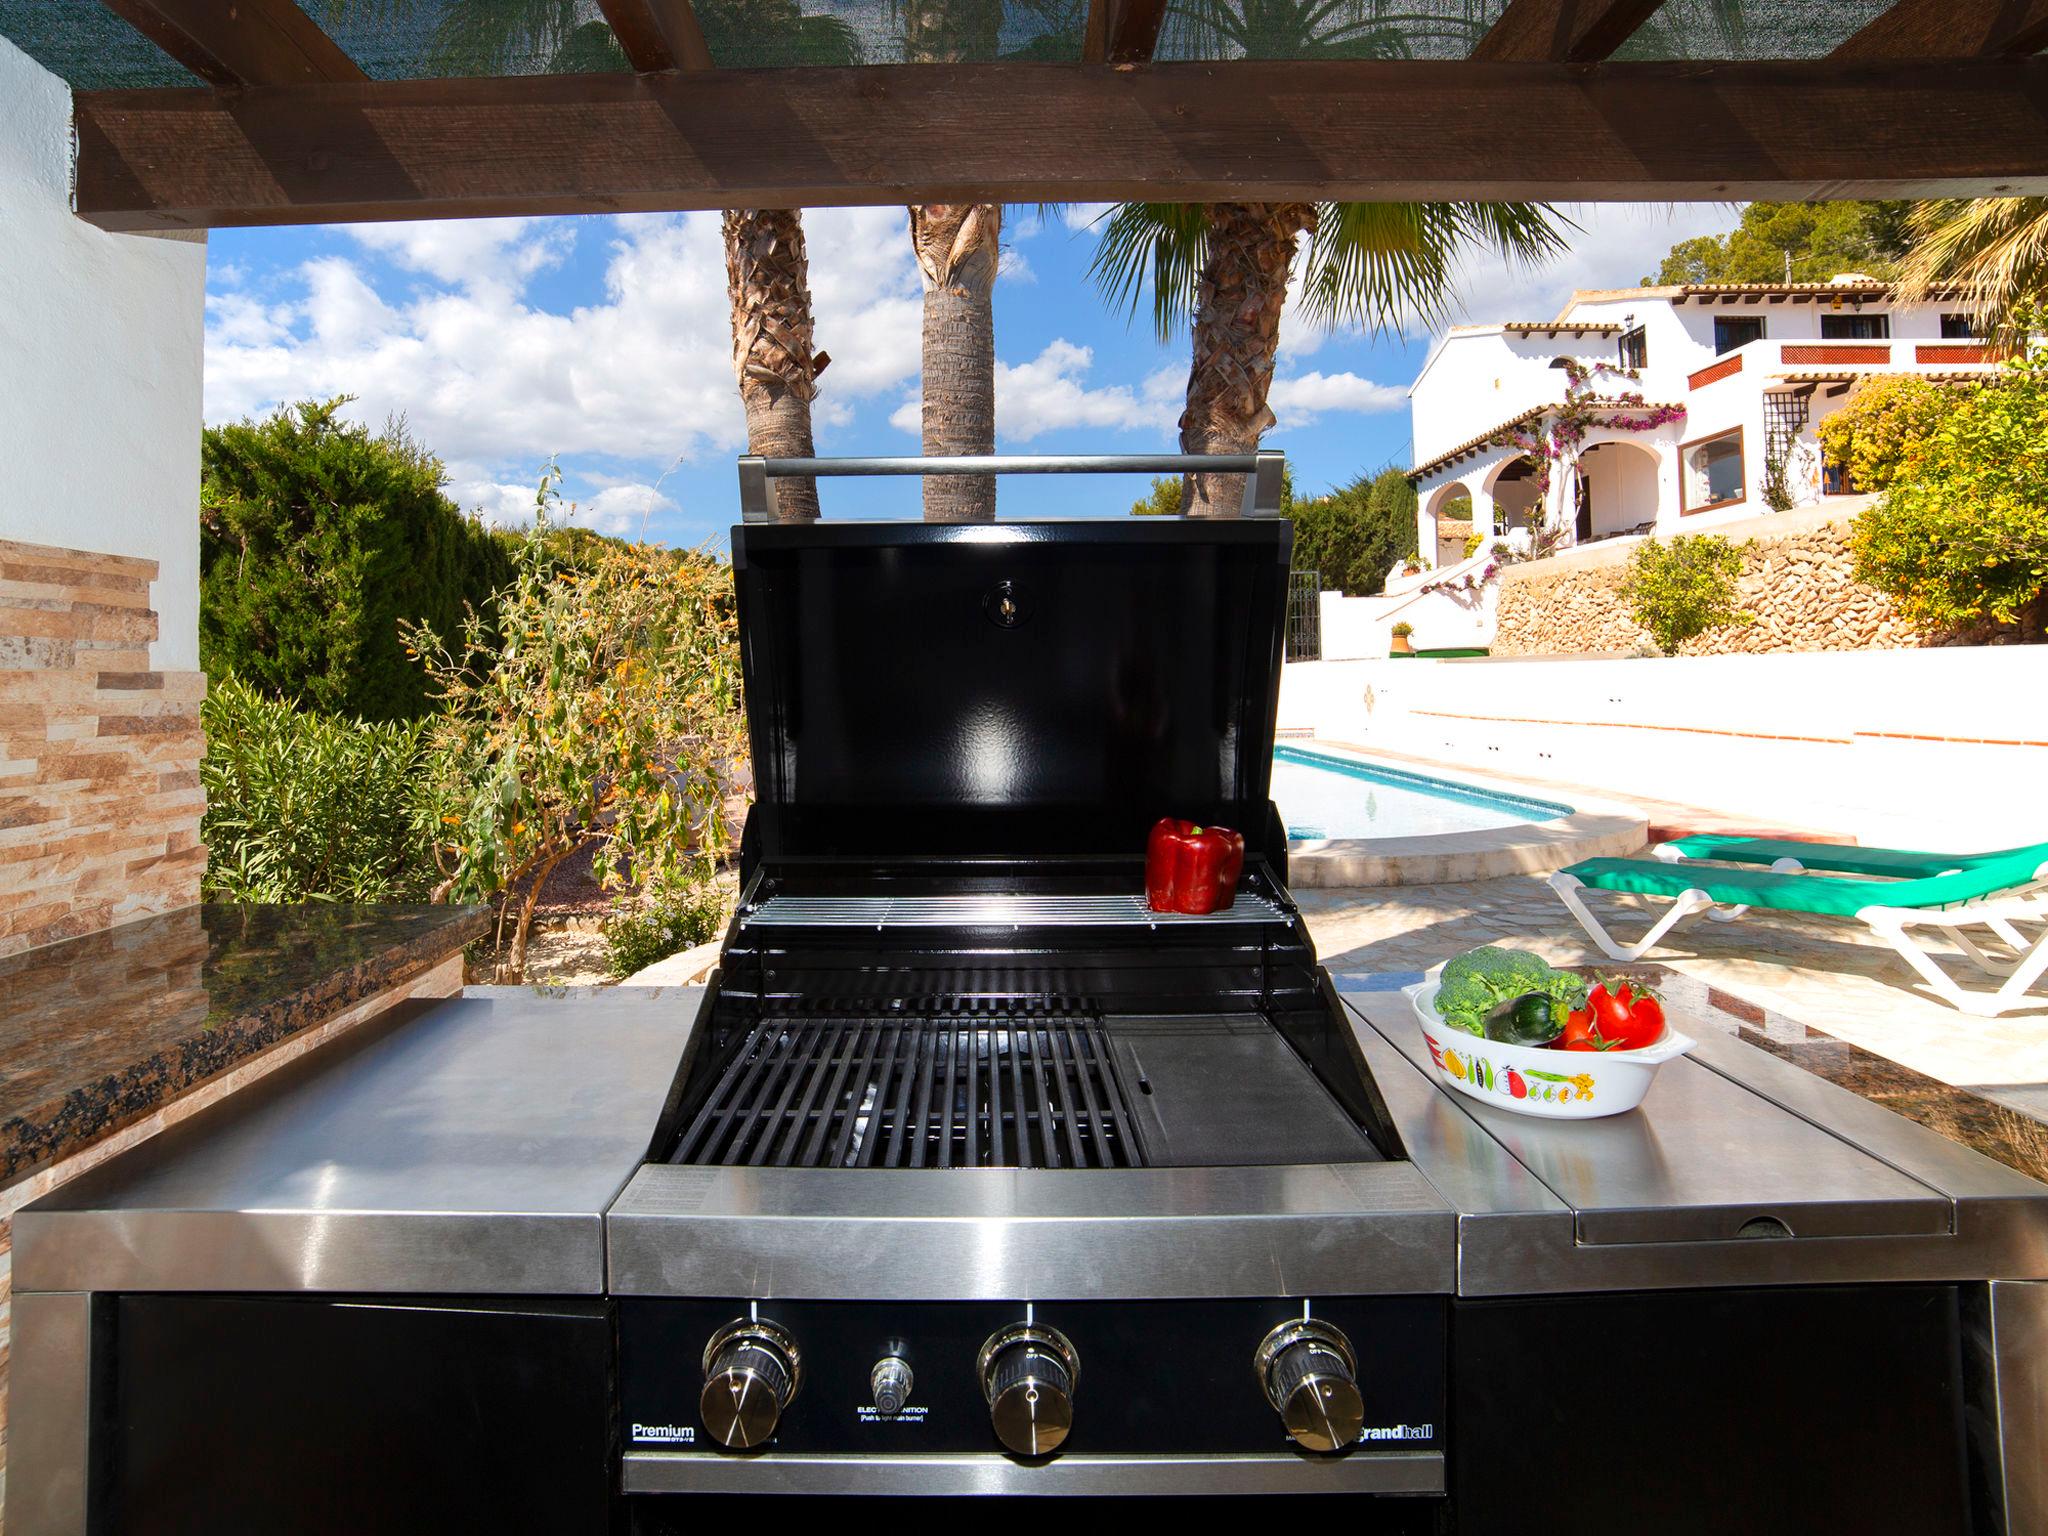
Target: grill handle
point(1261, 470)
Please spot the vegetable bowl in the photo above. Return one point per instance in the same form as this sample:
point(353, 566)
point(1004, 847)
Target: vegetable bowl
point(1535, 1079)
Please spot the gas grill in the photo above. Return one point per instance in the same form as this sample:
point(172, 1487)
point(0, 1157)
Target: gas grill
point(954, 1064)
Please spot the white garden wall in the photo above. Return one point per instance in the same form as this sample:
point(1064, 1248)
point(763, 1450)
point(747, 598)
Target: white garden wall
point(1935, 749)
point(100, 354)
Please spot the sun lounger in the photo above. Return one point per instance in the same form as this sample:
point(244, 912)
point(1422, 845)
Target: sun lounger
point(1995, 891)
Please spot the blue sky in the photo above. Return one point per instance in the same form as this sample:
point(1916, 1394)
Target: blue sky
point(603, 342)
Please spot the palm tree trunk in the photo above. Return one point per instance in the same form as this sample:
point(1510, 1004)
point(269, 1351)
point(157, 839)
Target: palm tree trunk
point(1243, 288)
point(767, 278)
point(957, 247)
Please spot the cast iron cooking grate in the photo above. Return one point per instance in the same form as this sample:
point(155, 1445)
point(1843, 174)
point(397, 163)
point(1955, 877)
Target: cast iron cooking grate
point(988, 1091)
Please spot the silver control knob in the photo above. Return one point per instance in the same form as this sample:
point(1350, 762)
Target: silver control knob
point(751, 1371)
point(1309, 1375)
point(1028, 1374)
point(891, 1380)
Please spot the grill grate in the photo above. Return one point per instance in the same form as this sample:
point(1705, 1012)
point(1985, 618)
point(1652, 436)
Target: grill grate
point(993, 1092)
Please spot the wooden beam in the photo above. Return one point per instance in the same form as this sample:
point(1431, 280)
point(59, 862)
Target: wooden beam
point(658, 34)
point(1134, 29)
point(1095, 32)
point(1563, 31)
point(1951, 29)
point(251, 42)
point(1362, 130)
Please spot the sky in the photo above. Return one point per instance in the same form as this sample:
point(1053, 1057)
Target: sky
point(603, 343)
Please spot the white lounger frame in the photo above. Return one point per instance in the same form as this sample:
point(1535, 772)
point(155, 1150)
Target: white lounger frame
point(2001, 914)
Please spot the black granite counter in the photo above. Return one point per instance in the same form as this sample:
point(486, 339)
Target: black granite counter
point(99, 1031)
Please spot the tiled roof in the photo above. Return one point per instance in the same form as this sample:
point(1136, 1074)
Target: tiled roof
point(1467, 449)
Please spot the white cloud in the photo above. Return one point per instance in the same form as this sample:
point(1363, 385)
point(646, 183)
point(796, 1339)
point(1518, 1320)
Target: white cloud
point(487, 379)
point(1014, 267)
point(471, 252)
point(1299, 400)
point(1083, 215)
point(1615, 246)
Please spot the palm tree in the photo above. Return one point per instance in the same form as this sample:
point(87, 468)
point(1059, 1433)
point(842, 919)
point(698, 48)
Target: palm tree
point(958, 247)
point(1228, 265)
point(767, 268)
point(1992, 250)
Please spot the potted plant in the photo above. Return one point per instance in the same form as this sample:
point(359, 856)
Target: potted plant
point(1401, 647)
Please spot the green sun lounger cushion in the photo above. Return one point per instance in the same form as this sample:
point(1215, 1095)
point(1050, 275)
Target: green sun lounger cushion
point(1813, 893)
point(1895, 863)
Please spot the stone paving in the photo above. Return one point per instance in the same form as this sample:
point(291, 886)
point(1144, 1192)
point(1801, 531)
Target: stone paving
point(1827, 973)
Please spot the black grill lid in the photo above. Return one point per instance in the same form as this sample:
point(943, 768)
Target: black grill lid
point(1008, 691)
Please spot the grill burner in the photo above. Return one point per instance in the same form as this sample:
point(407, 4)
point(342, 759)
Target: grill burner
point(999, 1091)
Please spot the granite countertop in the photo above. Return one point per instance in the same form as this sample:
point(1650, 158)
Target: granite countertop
point(98, 1031)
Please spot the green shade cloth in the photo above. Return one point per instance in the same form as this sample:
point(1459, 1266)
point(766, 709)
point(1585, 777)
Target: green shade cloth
point(1895, 863)
point(1987, 875)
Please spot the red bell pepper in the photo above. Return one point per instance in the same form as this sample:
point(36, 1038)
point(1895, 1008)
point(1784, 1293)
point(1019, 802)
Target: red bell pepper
point(1189, 868)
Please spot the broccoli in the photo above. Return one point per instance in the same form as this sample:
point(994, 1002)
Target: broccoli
point(1478, 980)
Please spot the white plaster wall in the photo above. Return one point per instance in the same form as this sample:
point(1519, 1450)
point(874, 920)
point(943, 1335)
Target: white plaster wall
point(1820, 740)
point(101, 341)
point(1475, 379)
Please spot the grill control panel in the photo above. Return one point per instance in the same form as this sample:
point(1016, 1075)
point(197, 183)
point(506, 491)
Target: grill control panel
point(1353, 1375)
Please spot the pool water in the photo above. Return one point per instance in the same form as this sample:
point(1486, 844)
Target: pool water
point(1321, 796)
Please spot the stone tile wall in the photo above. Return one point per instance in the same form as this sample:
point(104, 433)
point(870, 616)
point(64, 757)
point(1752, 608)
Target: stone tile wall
point(99, 755)
point(1799, 587)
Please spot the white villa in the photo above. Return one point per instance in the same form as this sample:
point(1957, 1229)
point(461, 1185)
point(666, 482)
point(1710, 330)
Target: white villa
point(1754, 365)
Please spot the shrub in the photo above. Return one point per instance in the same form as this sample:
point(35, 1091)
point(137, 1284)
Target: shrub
point(1472, 543)
point(1963, 537)
point(1875, 435)
point(1684, 588)
point(309, 807)
point(672, 919)
point(315, 539)
point(608, 718)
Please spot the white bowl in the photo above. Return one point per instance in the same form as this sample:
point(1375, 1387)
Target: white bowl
point(1533, 1079)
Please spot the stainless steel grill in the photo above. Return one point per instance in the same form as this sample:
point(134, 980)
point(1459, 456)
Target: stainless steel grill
point(994, 1092)
point(1007, 909)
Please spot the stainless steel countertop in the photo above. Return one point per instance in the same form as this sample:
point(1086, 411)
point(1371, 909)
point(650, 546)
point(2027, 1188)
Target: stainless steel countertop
point(1656, 1198)
point(478, 1146)
point(472, 1147)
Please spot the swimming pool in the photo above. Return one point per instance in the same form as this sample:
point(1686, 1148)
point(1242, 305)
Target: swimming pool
point(1322, 796)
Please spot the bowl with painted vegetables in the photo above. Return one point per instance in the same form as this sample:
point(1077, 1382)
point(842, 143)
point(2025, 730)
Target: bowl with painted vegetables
point(1510, 1030)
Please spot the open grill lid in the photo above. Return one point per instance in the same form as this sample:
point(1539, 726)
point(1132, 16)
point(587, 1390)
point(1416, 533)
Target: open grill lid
point(1008, 691)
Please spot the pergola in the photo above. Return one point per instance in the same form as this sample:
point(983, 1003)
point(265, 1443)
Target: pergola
point(238, 112)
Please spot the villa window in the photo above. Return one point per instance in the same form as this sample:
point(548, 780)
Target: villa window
point(1713, 472)
point(1855, 327)
point(1732, 331)
point(1958, 328)
point(1635, 348)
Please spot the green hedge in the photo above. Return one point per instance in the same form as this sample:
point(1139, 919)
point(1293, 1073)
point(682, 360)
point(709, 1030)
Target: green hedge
point(316, 537)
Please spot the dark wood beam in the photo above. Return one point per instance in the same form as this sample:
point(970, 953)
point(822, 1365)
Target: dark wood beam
point(251, 42)
point(1951, 29)
point(1095, 32)
point(1354, 130)
point(1134, 29)
point(1563, 31)
point(657, 34)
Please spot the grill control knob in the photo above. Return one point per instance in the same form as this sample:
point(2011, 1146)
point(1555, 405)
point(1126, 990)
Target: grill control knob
point(1308, 1373)
point(1028, 1374)
point(751, 1371)
point(891, 1380)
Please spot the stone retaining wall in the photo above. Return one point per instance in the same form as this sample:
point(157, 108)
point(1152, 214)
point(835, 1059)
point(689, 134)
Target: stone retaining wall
point(1798, 585)
point(99, 755)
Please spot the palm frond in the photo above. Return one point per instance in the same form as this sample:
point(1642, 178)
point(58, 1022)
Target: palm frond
point(1158, 247)
point(1994, 250)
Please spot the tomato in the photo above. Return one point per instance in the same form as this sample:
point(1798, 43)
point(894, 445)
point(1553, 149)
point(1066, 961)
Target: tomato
point(1644, 1026)
point(1609, 1008)
point(1581, 1033)
point(1624, 1019)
